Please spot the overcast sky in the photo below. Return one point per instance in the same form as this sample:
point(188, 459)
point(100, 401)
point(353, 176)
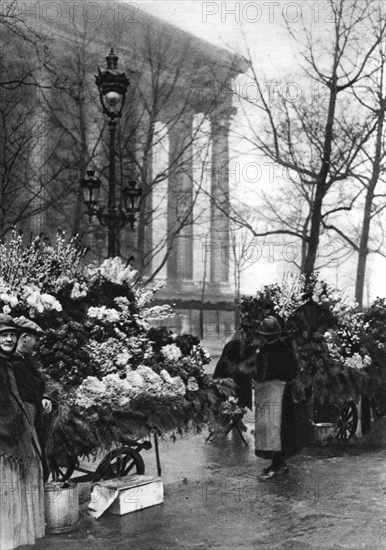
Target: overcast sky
point(225, 23)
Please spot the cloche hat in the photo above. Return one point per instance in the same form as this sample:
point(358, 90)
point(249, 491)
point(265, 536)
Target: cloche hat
point(6, 323)
point(26, 325)
point(270, 326)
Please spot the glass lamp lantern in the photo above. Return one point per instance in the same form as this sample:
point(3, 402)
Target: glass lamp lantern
point(112, 85)
point(131, 195)
point(91, 186)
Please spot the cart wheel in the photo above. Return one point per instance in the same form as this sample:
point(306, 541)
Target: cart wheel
point(118, 463)
point(347, 422)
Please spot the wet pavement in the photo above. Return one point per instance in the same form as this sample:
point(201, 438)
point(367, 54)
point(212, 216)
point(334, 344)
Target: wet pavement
point(333, 498)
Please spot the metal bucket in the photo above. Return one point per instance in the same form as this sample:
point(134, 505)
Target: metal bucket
point(61, 507)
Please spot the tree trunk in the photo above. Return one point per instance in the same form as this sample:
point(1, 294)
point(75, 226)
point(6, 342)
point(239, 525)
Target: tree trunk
point(321, 184)
point(313, 239)
point(363, 245)
point(78, 210)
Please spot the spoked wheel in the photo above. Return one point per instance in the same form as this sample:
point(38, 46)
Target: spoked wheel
point(118, 463)
point(347, 421)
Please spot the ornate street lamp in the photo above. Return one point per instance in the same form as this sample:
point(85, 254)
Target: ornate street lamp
point(115, 220)
point(91, 187)
point(112, 85)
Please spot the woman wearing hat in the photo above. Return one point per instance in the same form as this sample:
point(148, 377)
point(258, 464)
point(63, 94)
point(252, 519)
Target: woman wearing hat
point(22, 496)
point(275, 432)
point(29, 380)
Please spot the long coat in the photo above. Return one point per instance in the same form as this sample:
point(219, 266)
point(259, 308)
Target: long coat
point(31, 387)
point(12, 417)
point(22, 508)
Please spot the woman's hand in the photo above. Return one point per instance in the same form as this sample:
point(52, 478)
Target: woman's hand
point(47, 406)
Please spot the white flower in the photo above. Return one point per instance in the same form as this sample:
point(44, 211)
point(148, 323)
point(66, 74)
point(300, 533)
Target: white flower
point(173, 385)
point(166, 376)
point(148, 374)
point(9, 299)
point(152, 381)
point(354, 362)
point(7, 310)
point(40, 302)
point(192, 384)
point(49, 302)
point(104, 314)
point(91, 383)
point(116, 271)
point(79, 291)
point(90, 392)
point(123, 358)
point(171, 352)
point(134, 379)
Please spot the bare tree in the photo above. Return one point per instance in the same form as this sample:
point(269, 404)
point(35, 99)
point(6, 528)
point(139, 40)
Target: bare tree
point(24, 50)
point(371, 94)
point(26, 171)
point(243, 252)
point(317, 141)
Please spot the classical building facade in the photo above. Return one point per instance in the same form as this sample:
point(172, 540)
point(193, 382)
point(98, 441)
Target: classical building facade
point(172, 138)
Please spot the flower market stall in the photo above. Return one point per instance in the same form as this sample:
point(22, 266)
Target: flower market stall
point(113, 377)
point(331, 339)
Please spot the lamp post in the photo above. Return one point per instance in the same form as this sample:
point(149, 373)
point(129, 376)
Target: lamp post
point(112, 85)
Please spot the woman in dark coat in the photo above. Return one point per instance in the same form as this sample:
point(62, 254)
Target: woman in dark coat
point(21, 476)
point(275, 428)
point(29, 380)
point(236, 362)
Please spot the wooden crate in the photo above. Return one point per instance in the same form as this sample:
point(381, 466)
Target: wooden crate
point(130, 493)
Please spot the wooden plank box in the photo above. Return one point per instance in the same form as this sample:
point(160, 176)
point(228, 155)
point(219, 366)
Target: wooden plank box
point(134, 492)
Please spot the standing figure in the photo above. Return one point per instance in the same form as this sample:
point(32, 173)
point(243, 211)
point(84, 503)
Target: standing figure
point(275, 429)
point(21, 475)
point(29, 380)
point(236, 362)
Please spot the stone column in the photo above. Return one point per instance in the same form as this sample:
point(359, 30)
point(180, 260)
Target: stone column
point(39, 127)
point(145, 216)
point(180, 201)
point(219, 214)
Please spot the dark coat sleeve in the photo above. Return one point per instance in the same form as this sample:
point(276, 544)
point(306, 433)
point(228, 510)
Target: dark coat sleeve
point(227, 364)
point(29, 380)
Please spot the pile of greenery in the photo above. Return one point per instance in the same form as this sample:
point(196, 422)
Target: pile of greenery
point(336, 345)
